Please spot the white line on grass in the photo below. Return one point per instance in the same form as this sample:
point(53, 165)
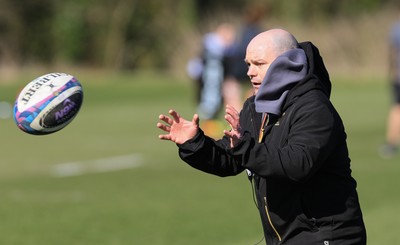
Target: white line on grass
point(97, 166)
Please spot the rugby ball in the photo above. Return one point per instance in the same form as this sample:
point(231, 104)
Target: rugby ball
point(48, 103)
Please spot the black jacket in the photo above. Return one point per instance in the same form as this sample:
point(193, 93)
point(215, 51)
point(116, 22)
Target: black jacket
point(303, 183)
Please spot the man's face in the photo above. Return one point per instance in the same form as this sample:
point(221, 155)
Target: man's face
point(258, 58)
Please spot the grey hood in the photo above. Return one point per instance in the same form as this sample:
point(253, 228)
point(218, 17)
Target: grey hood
point(282, 75)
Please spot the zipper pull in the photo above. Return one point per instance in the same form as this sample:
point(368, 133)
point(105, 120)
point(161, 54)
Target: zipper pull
point(262, 128)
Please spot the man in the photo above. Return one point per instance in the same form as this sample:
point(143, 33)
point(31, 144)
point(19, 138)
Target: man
point(235, 68)
point(393, 121)
point(292, 142)
point(209, 81)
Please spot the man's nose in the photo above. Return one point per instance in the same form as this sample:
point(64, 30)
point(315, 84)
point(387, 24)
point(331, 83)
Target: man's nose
point(251, 71)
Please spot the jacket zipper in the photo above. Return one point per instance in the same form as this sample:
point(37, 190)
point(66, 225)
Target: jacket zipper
point(264, 123)
point(270, 221)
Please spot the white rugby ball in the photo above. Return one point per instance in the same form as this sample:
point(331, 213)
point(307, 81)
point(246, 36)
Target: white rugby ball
point(48, 103)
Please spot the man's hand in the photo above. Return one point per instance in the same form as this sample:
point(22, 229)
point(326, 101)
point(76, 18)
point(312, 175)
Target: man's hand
point(178, 129)
point(232, 117)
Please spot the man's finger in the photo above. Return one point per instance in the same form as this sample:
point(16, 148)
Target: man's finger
point(164, 127)
point(228, 133)
point(164, 137)
point(231, 121)
point(175, 115)
point(196, 119)
point(232, 111)
point(166, 119)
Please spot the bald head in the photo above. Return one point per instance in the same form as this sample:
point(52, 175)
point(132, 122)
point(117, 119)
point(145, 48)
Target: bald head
point(276, 41)
point(263, 49)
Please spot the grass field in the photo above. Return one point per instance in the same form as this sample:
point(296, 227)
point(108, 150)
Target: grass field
point(160, 200)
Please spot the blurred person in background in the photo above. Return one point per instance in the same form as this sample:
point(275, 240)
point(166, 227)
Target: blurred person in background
point(208, 72)
point(289, 139)
point(235, 67)
point(390, 148)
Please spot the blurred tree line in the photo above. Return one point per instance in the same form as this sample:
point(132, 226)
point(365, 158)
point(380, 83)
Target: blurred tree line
point(129, 34)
